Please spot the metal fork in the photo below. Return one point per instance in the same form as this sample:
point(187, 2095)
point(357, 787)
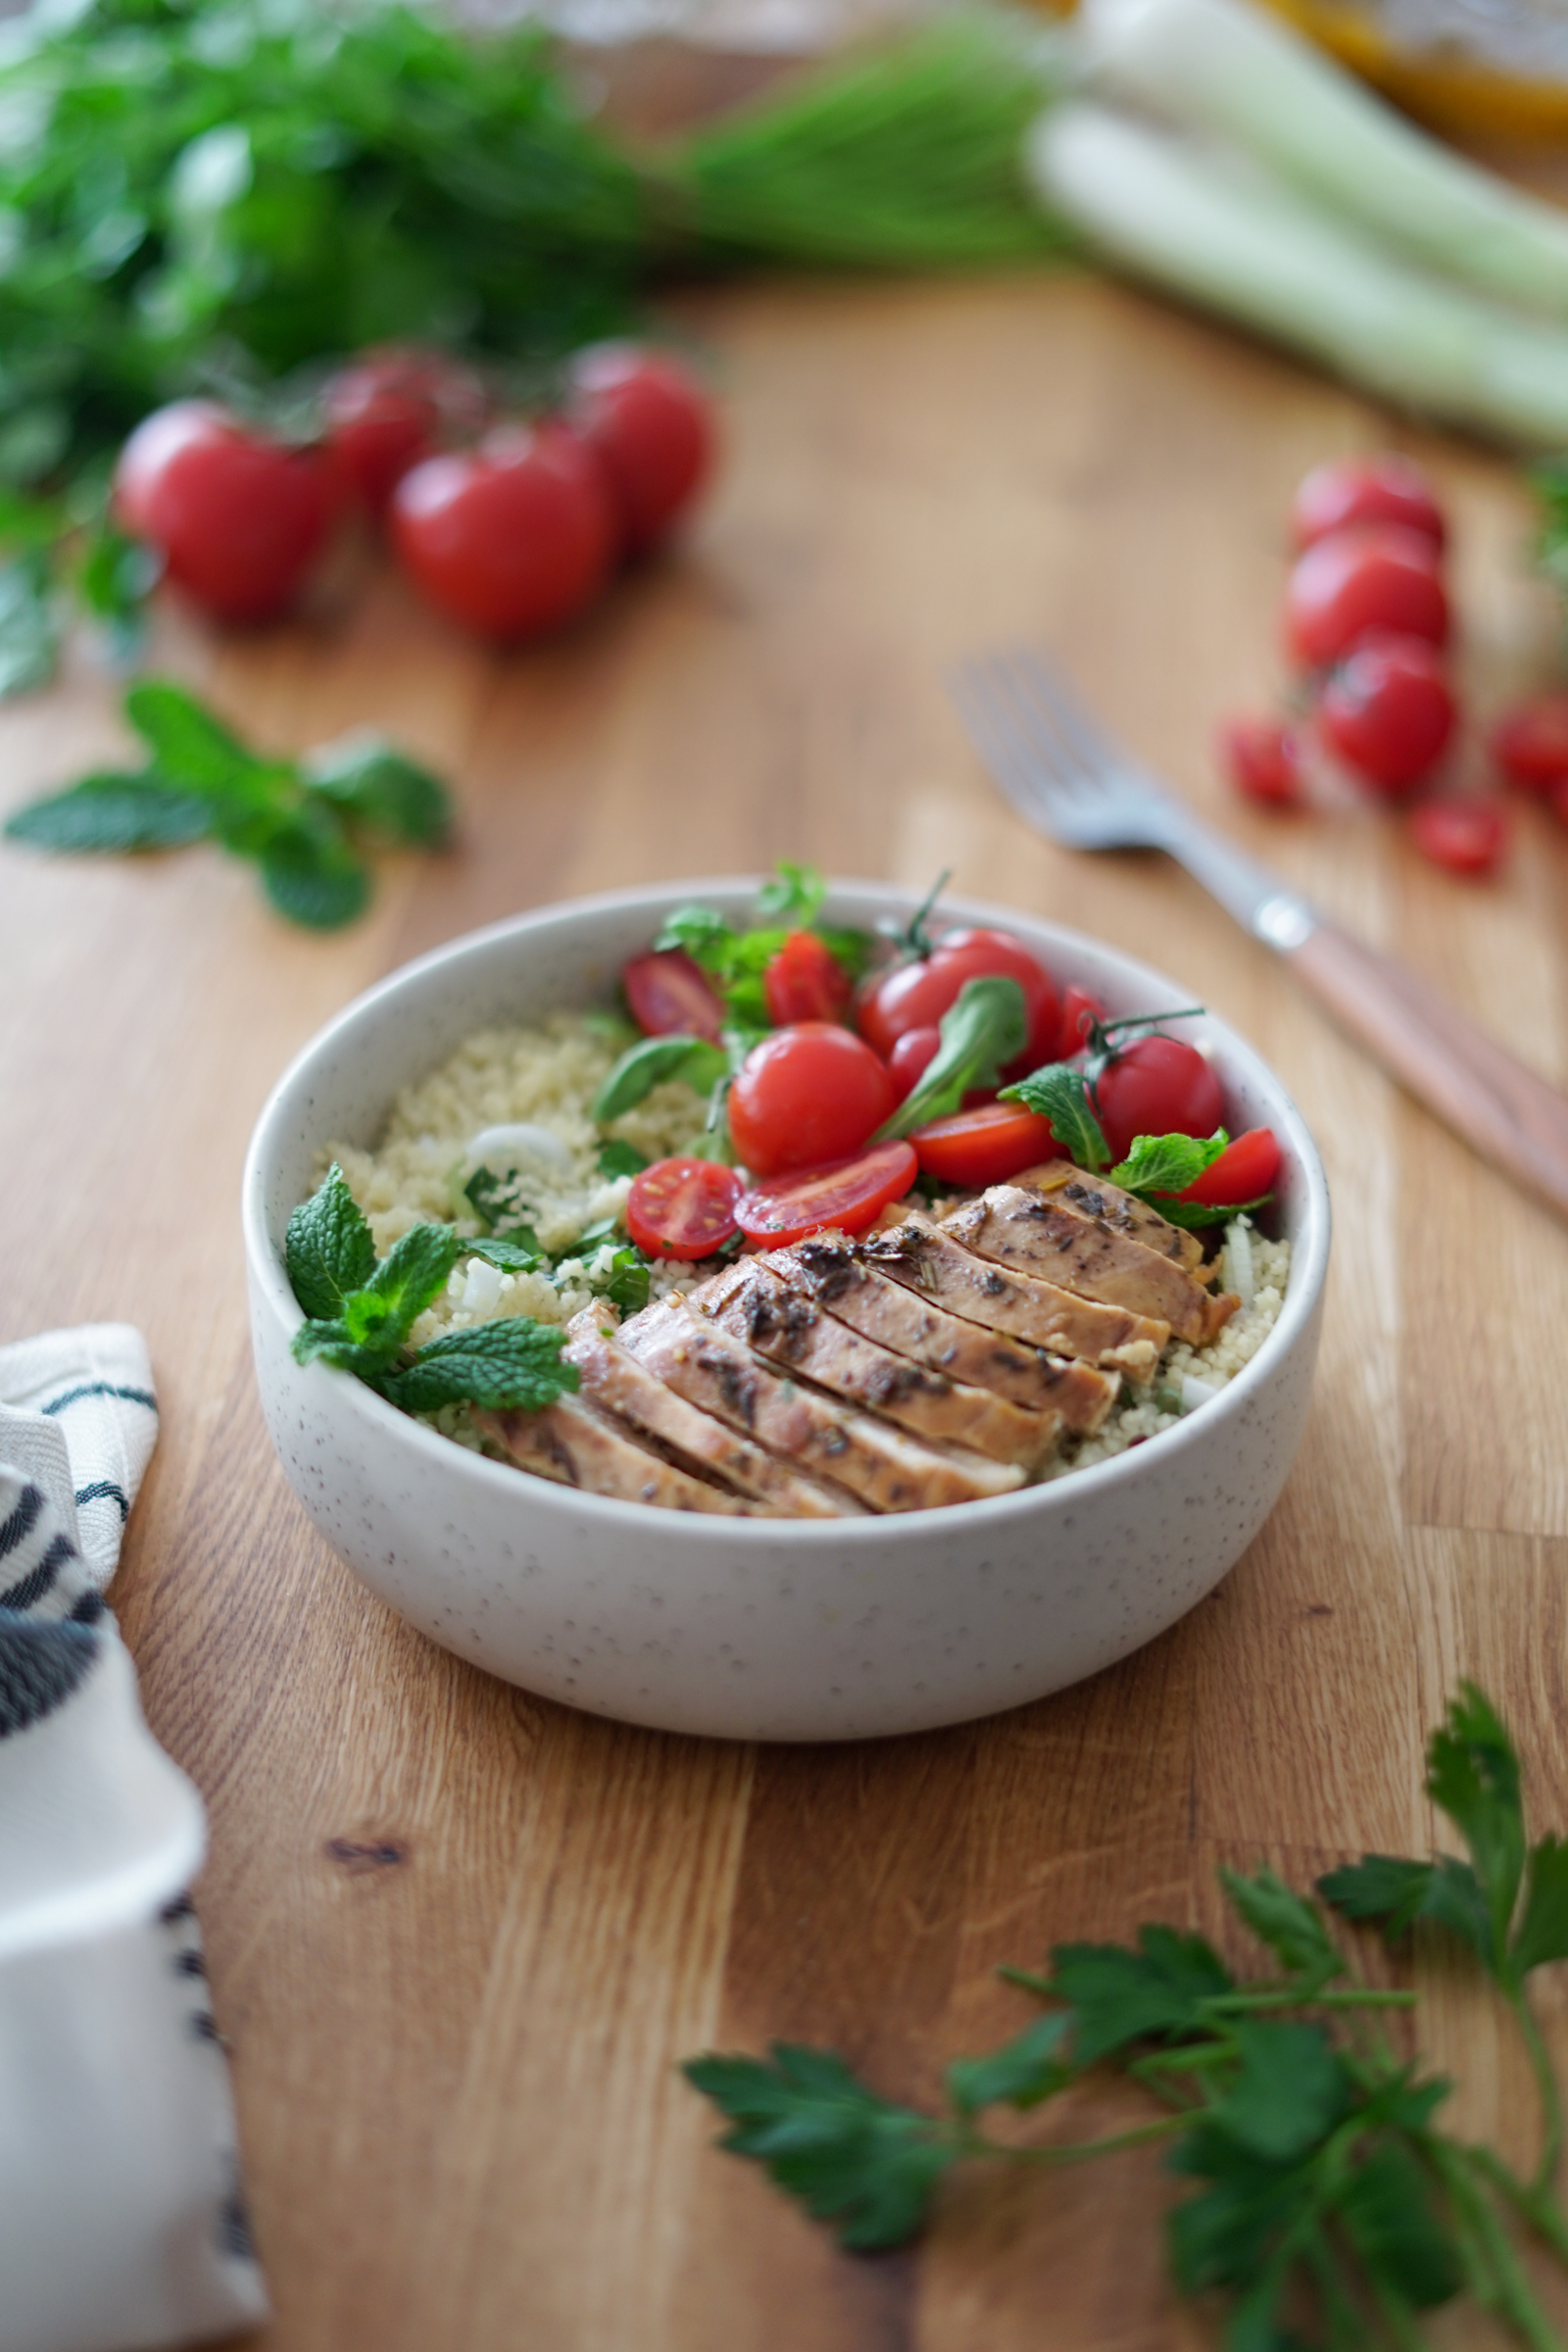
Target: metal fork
point(1067, 777)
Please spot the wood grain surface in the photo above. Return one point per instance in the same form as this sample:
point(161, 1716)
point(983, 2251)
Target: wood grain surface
point(459, 1937)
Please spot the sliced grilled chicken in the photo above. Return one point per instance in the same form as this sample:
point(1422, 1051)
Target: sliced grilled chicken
point(1122, 1211)
point(1032, 1233)
point(935, 1265)
point(716, 1372)
point(623, 1385)
point(756, 1303)
point(829, 1269)
point(577, 1446)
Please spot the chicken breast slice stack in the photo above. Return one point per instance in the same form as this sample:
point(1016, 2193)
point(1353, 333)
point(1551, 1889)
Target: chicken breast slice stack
point(1043, 1235)
point(576, 1445)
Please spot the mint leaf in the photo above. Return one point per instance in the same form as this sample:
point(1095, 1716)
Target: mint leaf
point(113, 583)
point(1287, 1923)
point(1023, 2072)
point(29, 634)
point(313, 877)
point(707, 938)
point(1060, 1094)
point(628, 1283)
point(1119, 1996)
point(1194, 1215)
point(1167, 1163)
point(380, 790)
point(984, 1030)
point(189, 745)
point(621, 1159)
point(791, 899)
point(109, 813)
point(653, 1062)
point(388, 1306)
point(850, 2157)
point(512, 1257)
point(511, 1365)
point(328, 1250)
point(333, 1342)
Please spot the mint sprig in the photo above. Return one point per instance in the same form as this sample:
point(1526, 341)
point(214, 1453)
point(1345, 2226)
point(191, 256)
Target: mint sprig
point(1060, 1094)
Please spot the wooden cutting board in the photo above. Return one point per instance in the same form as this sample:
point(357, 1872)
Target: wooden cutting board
point(459, 1939)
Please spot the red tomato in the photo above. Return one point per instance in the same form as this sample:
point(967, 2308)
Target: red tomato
point(1078, 1010)
point(848, 1195)
point(912, 1056)
point(806, 1094)
point(650, 429)
point(1374, 577)
point(1385, 488)
point(390, 408)
point(1468, 836)
point(1158, 1086)
point(916, 996)
point(1245, 1171)
point(672, 996)
point(1388, 710)
point(1528, 744)
point(238, 519)
point(682, 1207)
point(805, 982)
point(1263, 761)
point(511, 538)
point(985, 1146)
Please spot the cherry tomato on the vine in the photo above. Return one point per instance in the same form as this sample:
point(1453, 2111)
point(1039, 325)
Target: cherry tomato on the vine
point(652, 429)
point(1263, 761)
point(848, 1195)
point(984, 1146)
point(1079, 1010)
point(912, 1056)
point(1468, 836)
point(682, 1207)
point(1385, 488)
point(1528, 744)
point(511, 538)
point(238, 519)
point(1375, 576)
point(916, 995)
point(1158, 1086)
point(391, 407)
point(1388, 710)
point(1245, 1171)
point(672, 996)
point(806, 1094)
point(805, 982)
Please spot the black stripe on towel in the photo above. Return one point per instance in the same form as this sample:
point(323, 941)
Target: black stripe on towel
point(40, 1665)
point(29, 1502)
point(29, 1590)
point(101, 1388)
point(106, 1490)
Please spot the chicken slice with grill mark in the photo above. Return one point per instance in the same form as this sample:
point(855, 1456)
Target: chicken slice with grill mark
point(755, 1302)
point(624, 1387)
point(829, 1269)
point(928, 1260)
point(577, 1446)
point(704, 1363)
point(1123, 1212)
point(1032, 1234)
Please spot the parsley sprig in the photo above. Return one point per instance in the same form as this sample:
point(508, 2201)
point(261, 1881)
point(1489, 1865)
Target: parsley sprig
point(302, 823)
point(1324, 2200)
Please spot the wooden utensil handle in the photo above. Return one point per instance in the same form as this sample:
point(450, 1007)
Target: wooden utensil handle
point(1473, 1084)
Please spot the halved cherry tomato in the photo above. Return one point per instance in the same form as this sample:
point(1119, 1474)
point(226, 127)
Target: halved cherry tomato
point(1528, 744)
point(846, 1194)
point(1374, 577)
point(1388, 710)
point(1245, 1171)
point(682, 1207)
point(985, 1146)
point(806, 1094)
point(912, 1056)
point(1468, 836)
point(805, 982)
point(1078, 1010)
point(916, 996)
point(1385, 488)
point(1263, 761)
point(671, 996)
point(1158, 1086)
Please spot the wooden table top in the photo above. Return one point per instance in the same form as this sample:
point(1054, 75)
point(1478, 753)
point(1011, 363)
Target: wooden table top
point(460, 1937)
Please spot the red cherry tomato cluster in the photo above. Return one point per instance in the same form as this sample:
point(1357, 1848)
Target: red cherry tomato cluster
point(1367, 624)
point(509, 527)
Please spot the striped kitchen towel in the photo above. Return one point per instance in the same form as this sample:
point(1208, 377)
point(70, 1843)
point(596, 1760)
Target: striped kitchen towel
point(121, 2224)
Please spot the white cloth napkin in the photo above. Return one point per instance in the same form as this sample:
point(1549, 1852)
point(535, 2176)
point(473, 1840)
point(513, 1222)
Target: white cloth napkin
point(122, 2223)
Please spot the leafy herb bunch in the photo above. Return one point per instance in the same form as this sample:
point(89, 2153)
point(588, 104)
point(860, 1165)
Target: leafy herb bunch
point(1330, 2210)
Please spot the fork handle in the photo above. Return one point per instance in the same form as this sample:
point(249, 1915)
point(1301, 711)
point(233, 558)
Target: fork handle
point(1474, 1085)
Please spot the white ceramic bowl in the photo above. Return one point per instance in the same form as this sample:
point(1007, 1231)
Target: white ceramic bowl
point(754, 1629)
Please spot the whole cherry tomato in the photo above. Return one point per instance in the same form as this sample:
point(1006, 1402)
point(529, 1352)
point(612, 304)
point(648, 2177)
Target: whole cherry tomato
point(1388, 710)
point(652, 429)
point(1375, 576)
point(806, 1094)
point(1468, 836)
point(848, 1195)
point(1528, 744)
point(1245, 1171)
point(239, 519)
point(916, 995)
point(1385, 488)
point(1158, 1086)
point(912, 1056)
point(682, 1207)
point(985, 1146)
point(672, 996)
point(1079, 1010)
point(805, 982)
point(1263, 761)
point(393, 406)
point(511, 538)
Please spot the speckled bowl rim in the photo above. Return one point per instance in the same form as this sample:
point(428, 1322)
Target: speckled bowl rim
point(1309, 1251)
